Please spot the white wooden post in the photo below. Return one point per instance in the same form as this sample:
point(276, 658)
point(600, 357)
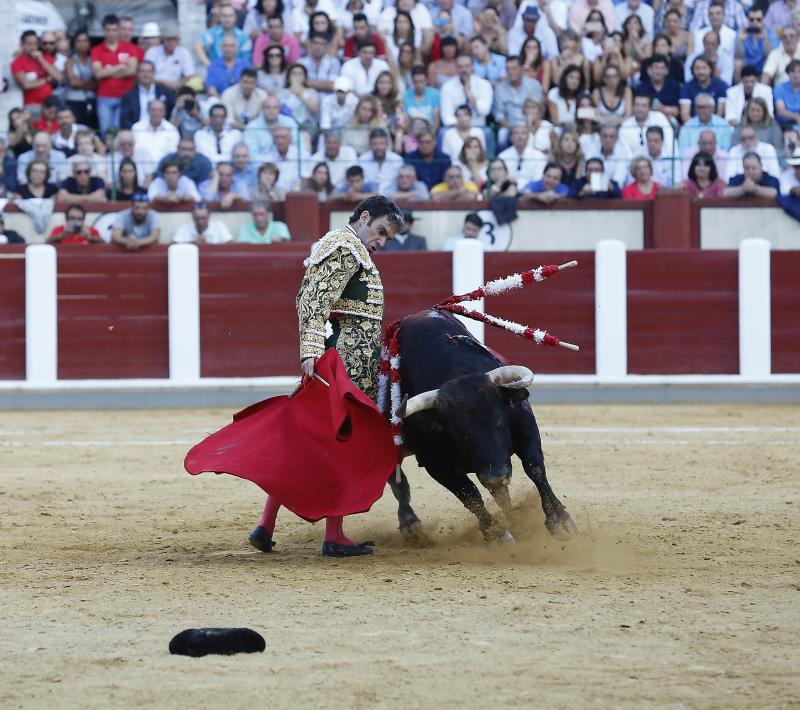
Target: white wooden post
point(41, 314)
point(755, 307)
point(611, 309)
point(467, 276)
point(183, 269)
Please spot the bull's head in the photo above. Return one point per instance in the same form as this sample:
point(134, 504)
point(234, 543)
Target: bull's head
point(474, 413)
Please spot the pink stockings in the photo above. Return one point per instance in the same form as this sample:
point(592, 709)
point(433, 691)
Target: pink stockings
point(333, 526)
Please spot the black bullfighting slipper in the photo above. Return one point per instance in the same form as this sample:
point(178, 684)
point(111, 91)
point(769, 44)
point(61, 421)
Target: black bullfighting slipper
point(261, 539)
point(335, 549)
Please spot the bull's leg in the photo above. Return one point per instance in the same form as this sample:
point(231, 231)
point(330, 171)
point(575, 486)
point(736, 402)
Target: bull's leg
point(409, 522)
point(502, 497)
point(467, 492)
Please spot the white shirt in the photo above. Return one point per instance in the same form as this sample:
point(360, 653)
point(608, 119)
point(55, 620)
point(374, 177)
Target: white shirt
point(186, 186)
point(336, 115)
point(206, 141)
point(727, 40)
point(663, 170)
point(541, 139)
point(419, 16)
point(766, 151)
point(735, 101)
point(159, 141)
point(338, 166)
point(145, 97)
point(645, 13)
point(617, 165)
point(525, 168)
point(363, 79)
point(170, 67)
point(724, 64)
point(217, 233)
point(300, 18)
point(558, 10)
point(789, 180)
point(382, 174)
point(452, 96)
point(633, 136)
point(60, 143)
point(543, 32)
point(452, 143)
point(290, 177)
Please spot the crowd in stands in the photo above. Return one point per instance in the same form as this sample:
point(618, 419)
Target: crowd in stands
point(438, 100)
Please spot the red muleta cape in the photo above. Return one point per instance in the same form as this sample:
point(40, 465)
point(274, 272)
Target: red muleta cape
point(323, 451)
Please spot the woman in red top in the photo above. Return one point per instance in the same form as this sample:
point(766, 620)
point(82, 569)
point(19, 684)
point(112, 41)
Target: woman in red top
point(703, 180)
point(643, 187)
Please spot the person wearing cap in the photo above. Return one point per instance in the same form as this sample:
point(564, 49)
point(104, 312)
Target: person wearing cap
point(173, 64)
point(9, 236)
point(149, 37)
point(136, 101)
point(74, 230)
point(530, 24)
point(322, 68)
point(136, 227)
point(404, 240)
point(337, 109)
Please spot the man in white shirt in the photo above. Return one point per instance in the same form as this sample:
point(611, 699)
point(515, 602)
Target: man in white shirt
point(336, 156)
point(530, 23)
point(466, 89)
point(635, 7)
point(525, 164)
point(778, 59)
point(738, 95)
point(243, 100)
point(380, 164)
point(750, 144)
point(337, 109)
point(158, 134)
point(790, 178)
point(632, 132)
point(716, 22)
point(423, 24)
point(665, 171)
point(173, 63)
point(293, 165)
point(173, 188)
point(64, 138)
point(215, 140)
point(364, 69)
point(615, 155)
point(473, 225)
point(723, 62)
point(202, 229)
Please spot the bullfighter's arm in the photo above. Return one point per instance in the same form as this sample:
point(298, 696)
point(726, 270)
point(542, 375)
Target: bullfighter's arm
point(322, 287)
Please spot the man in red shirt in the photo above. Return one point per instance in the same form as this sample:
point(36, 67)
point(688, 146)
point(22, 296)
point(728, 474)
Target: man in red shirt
point(35, 73)
point(362, 31)
point(114, 65)
point(74, 231)
point(47, 122)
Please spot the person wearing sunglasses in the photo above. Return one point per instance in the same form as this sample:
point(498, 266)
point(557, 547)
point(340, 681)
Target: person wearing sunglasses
point(82, 186)
point(35, 73)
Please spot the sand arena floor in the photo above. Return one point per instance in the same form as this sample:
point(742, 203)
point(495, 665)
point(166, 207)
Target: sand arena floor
point(681, 590)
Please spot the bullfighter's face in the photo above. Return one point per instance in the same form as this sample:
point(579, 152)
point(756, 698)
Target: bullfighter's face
point(374, 233)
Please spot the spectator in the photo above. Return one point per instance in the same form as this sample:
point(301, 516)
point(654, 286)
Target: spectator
point(749, 143)
point(136, 227)
point(245, 174)
point(272, 73)
point(444, 68)
point(757, 115)
point(209, 48)
point(717, 22)
point(635, 7)
point(703, 180)
point(160, 136)
point(549, 188)
point(704, 82)
point(114, 64)
point(68, 130)
point(255, 21)
point(529, 25)
point(294, 163)
point(569, 156)
point(336, 156)
point(263, 229)
point(405, 240)
point(320, 182)
point(259, 132)
point(202, 229)
point(173, 188)
point(534, 65)
point(421, 100)
point(186, 116)
point(473, 225)
point(499, 184)
point(173, 64)
point(486, 64)
point(675, 24)
point(755, 41)
point(47, 121)
point(454, 188)
point(82, 187)
point(9, 236)
point(461, 16)
point(267, 188)
point(366, 119)
point(407, 187)
point(663, 167)
point(301, 101)
point(136, 101)
point(778, 59)
point(789, 180)
point(276, 36)
point(595, 184)
point(748, 88)
point(193, 164)
point(322, 69)
point(540, 131)
point(222, 189)
point(216, 141)
point(85, 150)
point(662, 45)
point(42, 150)
point(706, 143)
point(338, 108)
point(510, 96)
point(403, 34)
point(361, 32)
point(364, 69)
point(243, 100)
point(125, 146)
point(407, 59)
point(780, 14)
point(430, 163)
point(35, 73)
point(472, 161)
point(720, 59)
point(74, 230)
point(37, 181)
point(753, 181)
point(525, 164)
point(562, 100)
point(705, 120)
point(419, 14)
point(385, 92)
point(8, 170)
point(633, 130)
point(80, 93)
point(465, 89)
point(643, 186)
point(315, 16)
point(614, 154)
point(380, 164)
point(356, 188)
point(227, 69)
point(787, 96)
point(662, 89)
point(453, 137)
point(127, 184)
point(569, 55)
point(594, 36)
point(126, 28)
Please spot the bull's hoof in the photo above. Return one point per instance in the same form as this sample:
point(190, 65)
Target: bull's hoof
point(498, 536)
point(261, 539)
point(561, 526)
point(414, 534)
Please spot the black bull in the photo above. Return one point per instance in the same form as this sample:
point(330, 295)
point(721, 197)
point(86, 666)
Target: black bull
point(466, 421)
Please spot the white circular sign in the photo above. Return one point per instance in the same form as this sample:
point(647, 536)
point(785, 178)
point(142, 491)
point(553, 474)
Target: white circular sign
point(495, 237)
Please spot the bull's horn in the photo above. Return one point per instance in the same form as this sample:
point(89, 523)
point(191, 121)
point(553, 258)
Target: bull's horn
point(418, 403)
point(511, 376)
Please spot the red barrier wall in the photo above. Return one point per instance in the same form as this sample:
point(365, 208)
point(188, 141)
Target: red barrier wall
point(12, 313)
point(414, 281)
point(683, 315)
point(785, 312)
point(563, 305)
point(112, 313)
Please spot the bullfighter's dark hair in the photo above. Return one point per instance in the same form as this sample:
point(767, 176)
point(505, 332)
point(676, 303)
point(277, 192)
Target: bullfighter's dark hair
point(379, 206)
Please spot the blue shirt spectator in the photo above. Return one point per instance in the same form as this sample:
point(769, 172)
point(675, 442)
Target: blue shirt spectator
point(220, 76)
point(787, 97)
point(766, 181)
point(752, 46)
point(715, 87)
point(422, 106)
point(211, 40)
point(538, 186)
point(429, 162)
